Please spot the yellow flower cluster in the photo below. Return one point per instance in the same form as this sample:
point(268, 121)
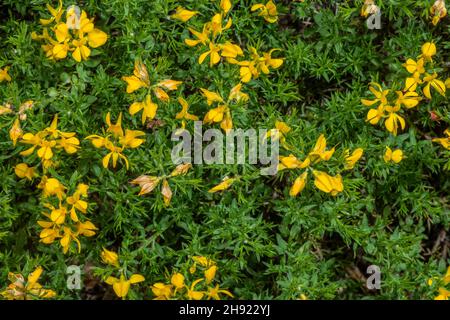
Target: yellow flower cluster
point(444, 294)
point(19, 289)
point(120, 285)
point(116, 141)
point(212, 33)
point(421, 76)
point(222, 113)
point(76, 35)
point(140, 79)
point(149, 183)
point(178, 287)
point(58, 226)
point(322, 180)
point(45, 142)
point(210, 36)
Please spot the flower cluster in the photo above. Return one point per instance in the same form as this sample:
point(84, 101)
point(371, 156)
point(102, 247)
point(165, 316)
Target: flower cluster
point(180, 286)
point(149, 183)
point(58, 225)
point(120, 285)
point(76, 35)
point(31, 289)
point(46, 142)
point(140, 79)
point(116, 141)
point(322, 180)
point(222, 113)
point(211, 34)
point(422, 77)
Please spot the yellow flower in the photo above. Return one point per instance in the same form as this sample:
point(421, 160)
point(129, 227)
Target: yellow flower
point(292, 162)
point(52, 187)
point(445, 142)
point(82, 51)
point(177, 281)
point(267, 11)
point(77, 204)
point(162, 291)
point(211, 97)
point(375, 115)
point(230, 50)
point(130, 139)
point(252, 68)
point(299, 184)
point(225, 5)
point(319, 151)
point(213, 54)
point(110, 257)
point(203, 261)
point(428, 51)
point(394, 120)
point(97, 38)
point(413, 66)
point(55, 14)
point(183, 14)
point(166, 192)
point(210, 273)
point(225, 184)
point(202, 37)
point(139, 78)
point(70, 145)
point(149, 109)
point(86, 229)
point(443, 294)
point(121, 286)
point(237, 95)
point(115, 129)
point(15, 133)
point(114, 154)
point(351, 160)
point(214, 293)
point(19, 289)
point(394, 156)
point(191, 294)
point(408, 99)
point(438, 11)
point(379, 93)
point(184, 114)
point(4, 76)
point(58, 215)
point(327, 183)
point(216, 24)
point(22, 170)
point(435, 83)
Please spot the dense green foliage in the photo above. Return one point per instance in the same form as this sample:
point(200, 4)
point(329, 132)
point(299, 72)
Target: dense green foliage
point(267, 244)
